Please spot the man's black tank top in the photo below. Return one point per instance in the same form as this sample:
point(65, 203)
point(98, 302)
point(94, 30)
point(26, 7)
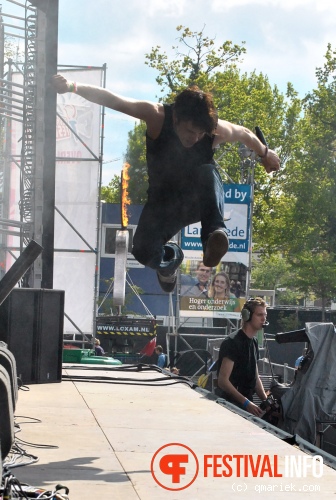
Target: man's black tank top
point(169, 162)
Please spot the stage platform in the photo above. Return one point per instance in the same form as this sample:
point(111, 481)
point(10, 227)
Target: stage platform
point(99, 432)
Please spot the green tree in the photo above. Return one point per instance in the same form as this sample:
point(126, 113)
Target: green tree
point(315, 275)
point(136, 157)
point(304, 223)
point(194, 63)
point(307, 217)
point(288, 322)
point(112, 192)
point(273, 273)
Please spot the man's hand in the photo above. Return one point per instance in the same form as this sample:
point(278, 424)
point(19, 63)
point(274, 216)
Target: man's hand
point(60, 84)
point(271, 161)
point(254, 409)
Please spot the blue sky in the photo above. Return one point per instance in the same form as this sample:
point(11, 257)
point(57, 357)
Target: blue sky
point(285, 39)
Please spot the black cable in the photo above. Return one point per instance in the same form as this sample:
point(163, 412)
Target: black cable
point(38, 445)
point(16, 453)
point(171, 381)
point(34, 420)
point(172, 378)
point(12, 488)
point(18, 456)
point(138, 367)
point(10, 483)
point(127, 379)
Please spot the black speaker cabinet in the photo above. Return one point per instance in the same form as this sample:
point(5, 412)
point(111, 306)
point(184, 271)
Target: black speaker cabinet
point(7, 361)
point(6, 414)
point(31, 324)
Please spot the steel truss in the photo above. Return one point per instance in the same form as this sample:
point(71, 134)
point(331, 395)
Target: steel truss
point(27, 101)
point(30, 101)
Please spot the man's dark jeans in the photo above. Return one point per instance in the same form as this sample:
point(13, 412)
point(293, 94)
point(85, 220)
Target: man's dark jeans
point(167, 211)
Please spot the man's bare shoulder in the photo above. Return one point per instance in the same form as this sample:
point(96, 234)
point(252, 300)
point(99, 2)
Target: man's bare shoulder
point(154, 120)
point(224, 132)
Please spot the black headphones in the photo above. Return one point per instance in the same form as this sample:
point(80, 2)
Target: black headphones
point(246, 312)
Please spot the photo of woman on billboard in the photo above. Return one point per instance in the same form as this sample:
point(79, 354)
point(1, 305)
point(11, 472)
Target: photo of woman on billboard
point(220, 287)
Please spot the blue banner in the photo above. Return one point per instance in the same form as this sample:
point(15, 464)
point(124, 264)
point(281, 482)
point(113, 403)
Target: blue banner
point(237, 217)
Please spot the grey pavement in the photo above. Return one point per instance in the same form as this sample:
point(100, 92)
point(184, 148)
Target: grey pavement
point(101, 437)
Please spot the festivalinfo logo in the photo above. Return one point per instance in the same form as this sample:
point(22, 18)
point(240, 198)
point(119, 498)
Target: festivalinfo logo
point(175, 466)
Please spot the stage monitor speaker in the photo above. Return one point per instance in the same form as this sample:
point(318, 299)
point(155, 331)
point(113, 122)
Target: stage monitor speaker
point(7, 361)
point(31, 324)
point(6, 414)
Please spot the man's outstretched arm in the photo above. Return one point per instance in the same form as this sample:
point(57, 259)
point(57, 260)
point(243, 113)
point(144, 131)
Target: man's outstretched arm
point(150, 112)
point(229, 132)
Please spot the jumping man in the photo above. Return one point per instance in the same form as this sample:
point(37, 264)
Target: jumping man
point(184, 184)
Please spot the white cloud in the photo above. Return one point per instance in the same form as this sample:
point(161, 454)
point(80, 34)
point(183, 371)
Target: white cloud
point(121, 52)
point(285, 39)
point(169, 8)
point(321, 5)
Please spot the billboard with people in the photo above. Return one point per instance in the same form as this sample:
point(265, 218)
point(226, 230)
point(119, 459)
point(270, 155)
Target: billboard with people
point(221, 291)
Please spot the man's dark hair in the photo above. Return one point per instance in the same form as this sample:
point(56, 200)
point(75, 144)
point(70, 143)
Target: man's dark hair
point(196, 106)
point(159, 348)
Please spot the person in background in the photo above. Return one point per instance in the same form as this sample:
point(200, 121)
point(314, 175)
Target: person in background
point(161, 361)
point(232, 286)
point(300, 358)
point(238, 291)
point(237, 370)
point(99, 351)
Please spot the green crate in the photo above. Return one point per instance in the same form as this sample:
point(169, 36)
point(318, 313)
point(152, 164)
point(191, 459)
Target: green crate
point(100, 360)
point(74, 355)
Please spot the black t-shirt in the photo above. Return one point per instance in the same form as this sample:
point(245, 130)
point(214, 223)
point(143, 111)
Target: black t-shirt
point(243, 351)
point(170, 164)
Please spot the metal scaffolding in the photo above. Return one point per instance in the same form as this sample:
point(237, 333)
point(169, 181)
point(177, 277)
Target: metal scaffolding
point(28, 101)
point(28, 156)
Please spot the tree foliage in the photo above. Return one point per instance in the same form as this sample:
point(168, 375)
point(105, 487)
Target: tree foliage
point(194, 63)
point(112, 192)
point(136, 157)
point(275, 273)
point(304, 224)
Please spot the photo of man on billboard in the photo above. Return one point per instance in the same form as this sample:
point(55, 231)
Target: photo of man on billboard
point(196, 283)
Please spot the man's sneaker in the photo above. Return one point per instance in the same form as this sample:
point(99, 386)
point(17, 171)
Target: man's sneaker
point(167, 275)
point(216, 247)
point(167, 283)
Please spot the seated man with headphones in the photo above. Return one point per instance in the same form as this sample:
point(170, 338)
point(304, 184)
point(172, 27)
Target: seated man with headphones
point(238, 376)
